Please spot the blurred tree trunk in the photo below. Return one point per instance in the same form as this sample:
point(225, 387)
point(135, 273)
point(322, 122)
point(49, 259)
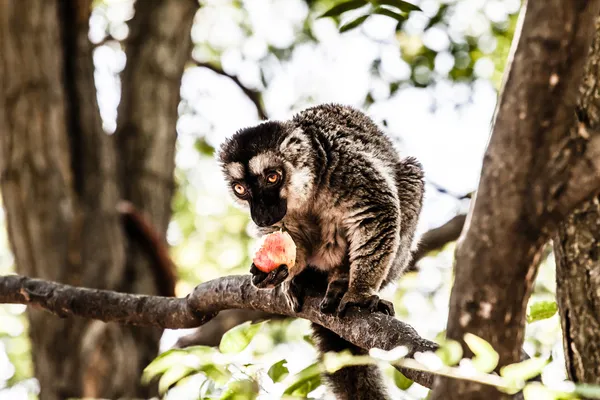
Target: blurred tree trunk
point(577, 252)
point(61, 183)
point(534, 174)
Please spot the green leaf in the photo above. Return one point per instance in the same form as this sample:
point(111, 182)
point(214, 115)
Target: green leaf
point(486, 358)
point(353, 24)
point(450, 352)
point(338, 9)
point(305, 381)
point(162, 363)
point(333, 361)
point(401, 381)
point(524, 370)
point(588, 391)
point(172, 376)
point(238, 338)
point(390, 13)
point(203, 147)
point(537, 391)
point(245, 389)
point(541, 310)
point(278, 371)
point(402, 5)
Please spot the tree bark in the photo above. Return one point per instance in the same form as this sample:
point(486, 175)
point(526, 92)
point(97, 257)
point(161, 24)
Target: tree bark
point(577, 252)
point(531, 179)
point(60, 184)
point(364, 329)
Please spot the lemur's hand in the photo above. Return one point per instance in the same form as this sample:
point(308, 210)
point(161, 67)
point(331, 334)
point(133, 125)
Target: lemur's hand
point(268, 280)
point(371, 302)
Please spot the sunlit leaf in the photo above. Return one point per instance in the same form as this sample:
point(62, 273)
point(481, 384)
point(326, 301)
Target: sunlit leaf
point(401, 381)
point(238, 338)
point(162, 363)
point(390, 13)
point(537, 391)
point(402, 5)
point(333, 361)
point(172, 376)
point(541, 310)
point(588, 391)
point(245, 389)
point(450, 352)
point(305, 381)
point(353, 24)
point(341, 8)
point(486, 358)
point(524, 370)
point(278, 371)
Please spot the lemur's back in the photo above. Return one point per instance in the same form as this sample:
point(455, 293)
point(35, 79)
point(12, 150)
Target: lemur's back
point(339, 124)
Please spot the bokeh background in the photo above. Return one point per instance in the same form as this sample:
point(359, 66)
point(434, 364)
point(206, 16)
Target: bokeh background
point(432, 85)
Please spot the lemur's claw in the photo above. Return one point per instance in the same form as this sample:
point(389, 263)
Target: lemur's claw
point(372, 303)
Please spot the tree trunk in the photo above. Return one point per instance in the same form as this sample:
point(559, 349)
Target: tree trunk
point(577, 253)
point(531, 179)
point(61, 186)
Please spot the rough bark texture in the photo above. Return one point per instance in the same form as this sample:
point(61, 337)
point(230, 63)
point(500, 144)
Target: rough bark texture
point(531, 178)
point(367, 330)
point(577, 252)
point(59, 181)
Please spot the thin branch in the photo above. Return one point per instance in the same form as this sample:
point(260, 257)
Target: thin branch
point(437, 238)
point(254, 95)
point(445, 191)
point(105, 305)
point(362, 329)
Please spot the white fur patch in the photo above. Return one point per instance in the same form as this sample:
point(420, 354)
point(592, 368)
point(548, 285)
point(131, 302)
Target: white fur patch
point(299, 188)
point(235, 170)
point(260, 162)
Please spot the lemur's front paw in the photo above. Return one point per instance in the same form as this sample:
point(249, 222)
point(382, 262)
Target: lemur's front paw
point(264, 280)
point(369, 302)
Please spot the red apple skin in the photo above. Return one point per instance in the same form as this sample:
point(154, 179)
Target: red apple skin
point(277, 249)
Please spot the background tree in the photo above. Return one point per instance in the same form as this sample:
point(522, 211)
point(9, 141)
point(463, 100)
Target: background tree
point(432, 83)
point(63, 176)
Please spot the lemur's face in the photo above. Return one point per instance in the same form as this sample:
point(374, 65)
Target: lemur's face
point(258, 183)
point(269, 170)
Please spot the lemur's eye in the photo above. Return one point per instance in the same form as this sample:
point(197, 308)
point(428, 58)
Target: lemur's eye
point(273, 178)
point(240, 190)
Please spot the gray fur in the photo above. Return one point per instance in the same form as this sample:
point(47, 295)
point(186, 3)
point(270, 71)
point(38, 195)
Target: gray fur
point(352, 203)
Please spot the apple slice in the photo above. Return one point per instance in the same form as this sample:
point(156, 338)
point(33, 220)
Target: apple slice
point(277, 249)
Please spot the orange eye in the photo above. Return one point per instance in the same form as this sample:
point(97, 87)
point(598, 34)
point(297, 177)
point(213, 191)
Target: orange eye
point(240, 190)
point(273, 178)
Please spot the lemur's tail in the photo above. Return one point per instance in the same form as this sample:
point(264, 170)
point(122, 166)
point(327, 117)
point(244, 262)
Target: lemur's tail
point(351, 383)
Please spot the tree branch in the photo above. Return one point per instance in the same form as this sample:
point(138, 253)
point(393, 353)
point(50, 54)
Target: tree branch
point(362, 329)
point(254, 95)
point(437, 238)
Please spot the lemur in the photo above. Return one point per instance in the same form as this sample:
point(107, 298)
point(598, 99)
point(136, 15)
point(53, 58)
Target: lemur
point(333, 180)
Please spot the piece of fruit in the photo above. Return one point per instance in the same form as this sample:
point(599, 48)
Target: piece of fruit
point(277, 249)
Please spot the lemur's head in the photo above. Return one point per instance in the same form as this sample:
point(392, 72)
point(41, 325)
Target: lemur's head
point(269, 170)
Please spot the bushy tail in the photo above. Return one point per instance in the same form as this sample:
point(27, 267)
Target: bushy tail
point(350, 383)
